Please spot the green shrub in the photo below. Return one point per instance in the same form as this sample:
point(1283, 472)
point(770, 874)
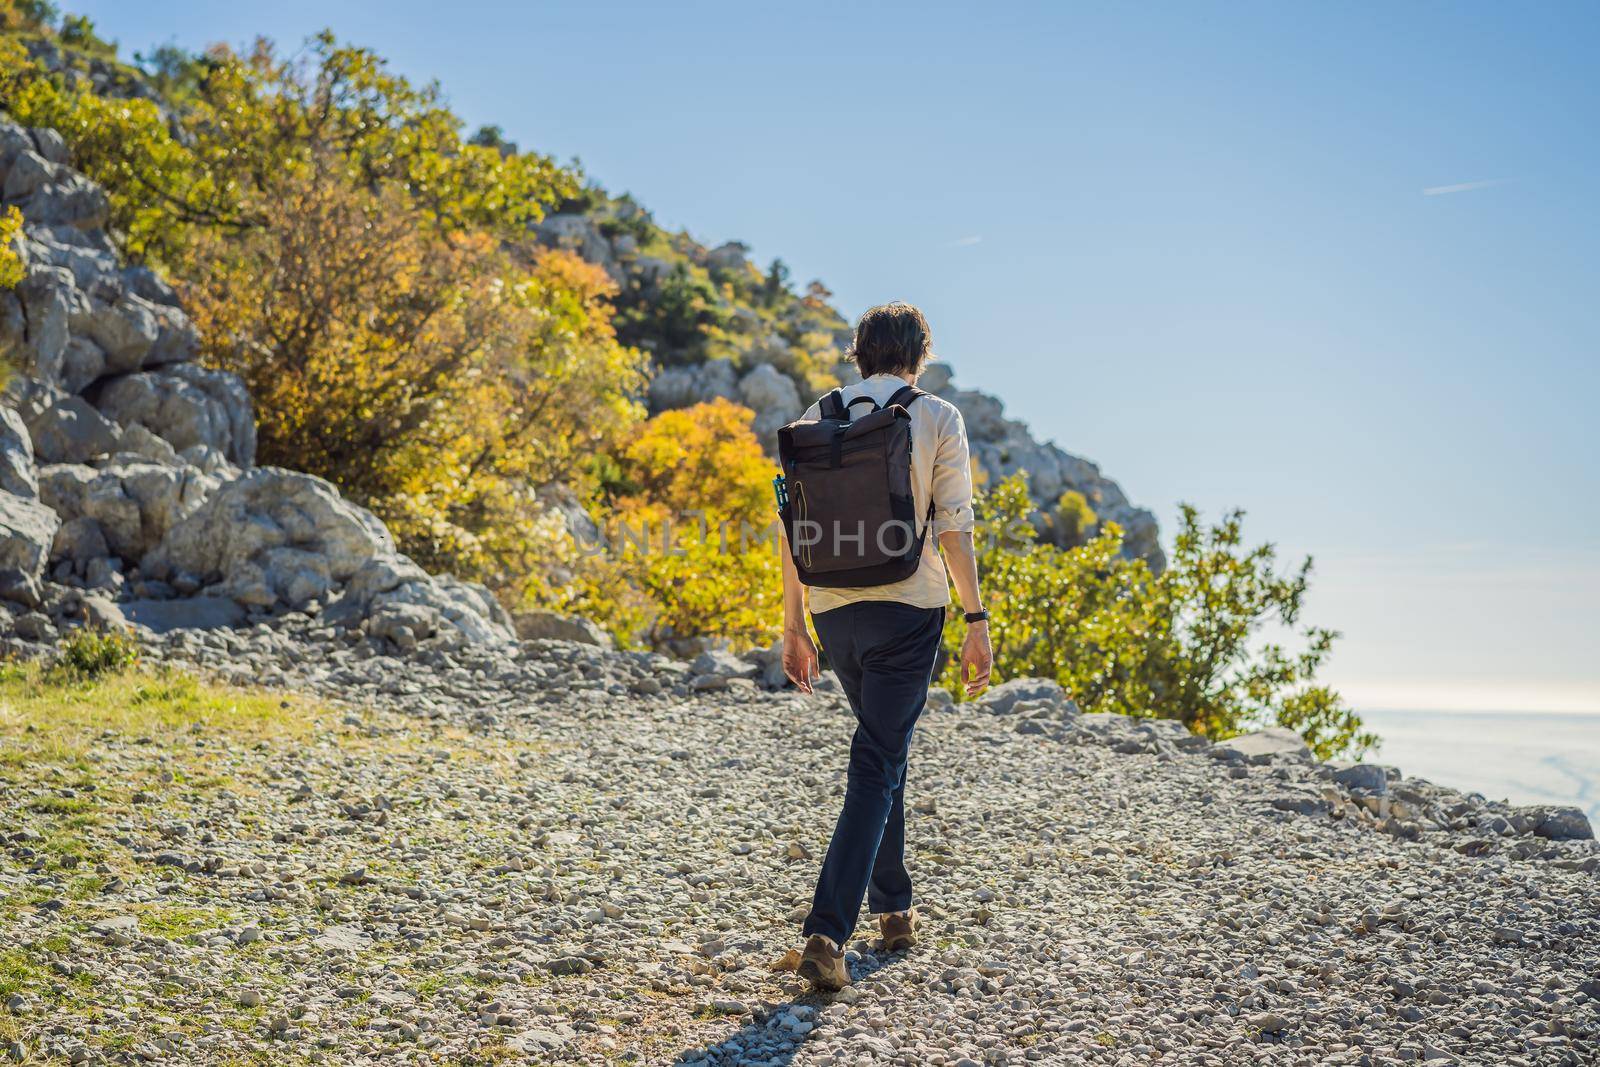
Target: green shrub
point(1188, 644)
point(1074, 518)
point(88, 653)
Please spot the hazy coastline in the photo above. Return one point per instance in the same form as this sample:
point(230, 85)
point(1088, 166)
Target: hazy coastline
point(1523, 757)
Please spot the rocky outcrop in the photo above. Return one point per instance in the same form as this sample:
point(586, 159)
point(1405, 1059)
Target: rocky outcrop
point(189, 406)
point(1001, 447)
point(405, 605)
point(681, 387)
point(271, 538)
point(773, 397)
point(69, 430)
point(132, 503)
point(127, 469)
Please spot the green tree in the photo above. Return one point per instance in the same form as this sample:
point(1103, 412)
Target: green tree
point(675, 318)
point(1073, 519)
point(776, 285)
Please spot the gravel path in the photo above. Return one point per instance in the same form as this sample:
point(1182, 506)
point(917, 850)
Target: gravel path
point(577, 856)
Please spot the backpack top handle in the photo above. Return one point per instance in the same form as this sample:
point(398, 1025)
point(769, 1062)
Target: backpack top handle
point(832, 406)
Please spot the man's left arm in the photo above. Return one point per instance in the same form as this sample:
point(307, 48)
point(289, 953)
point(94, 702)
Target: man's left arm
point(953, 523)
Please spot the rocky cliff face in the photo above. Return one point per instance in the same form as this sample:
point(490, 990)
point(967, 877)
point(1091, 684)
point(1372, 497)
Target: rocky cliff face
point(1001, 446)
point(127, 480)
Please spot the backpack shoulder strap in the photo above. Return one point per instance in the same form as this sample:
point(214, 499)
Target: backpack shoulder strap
point(832, 405)
point(904, 396)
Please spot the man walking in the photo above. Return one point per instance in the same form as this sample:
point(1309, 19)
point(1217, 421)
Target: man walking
point(881, 639)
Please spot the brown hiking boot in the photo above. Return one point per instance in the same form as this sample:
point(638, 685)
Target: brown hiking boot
point(823, 965)
point(898, 930)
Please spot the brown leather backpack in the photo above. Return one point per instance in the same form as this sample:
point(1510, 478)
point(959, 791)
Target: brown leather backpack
point(846, 503)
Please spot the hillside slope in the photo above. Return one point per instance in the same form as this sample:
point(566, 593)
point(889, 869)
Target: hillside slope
point(713, 323)
point(128, 488)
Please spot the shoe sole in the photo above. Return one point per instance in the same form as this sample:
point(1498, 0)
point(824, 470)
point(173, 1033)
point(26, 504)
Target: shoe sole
point(813, 974)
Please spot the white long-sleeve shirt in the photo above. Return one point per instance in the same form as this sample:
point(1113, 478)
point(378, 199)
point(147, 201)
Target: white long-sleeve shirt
point(940, 471)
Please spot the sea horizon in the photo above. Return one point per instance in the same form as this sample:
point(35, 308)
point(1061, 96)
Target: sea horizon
point(1524, 757)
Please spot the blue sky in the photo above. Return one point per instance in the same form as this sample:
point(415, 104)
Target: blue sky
point(1333, 264)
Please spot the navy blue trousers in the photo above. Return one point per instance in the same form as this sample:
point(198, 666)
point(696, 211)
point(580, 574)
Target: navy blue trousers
point(883, 652)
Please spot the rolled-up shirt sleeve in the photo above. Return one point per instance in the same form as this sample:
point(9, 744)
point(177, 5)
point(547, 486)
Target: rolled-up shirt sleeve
point(952, 478)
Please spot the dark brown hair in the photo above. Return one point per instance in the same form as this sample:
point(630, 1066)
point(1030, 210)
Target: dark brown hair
point(891, 339)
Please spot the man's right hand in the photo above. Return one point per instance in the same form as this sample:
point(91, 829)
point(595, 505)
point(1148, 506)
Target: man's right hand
point(800, 661)
point(977, 659)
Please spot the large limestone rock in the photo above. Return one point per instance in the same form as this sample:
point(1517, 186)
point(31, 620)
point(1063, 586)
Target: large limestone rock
point(88, 257)
point(52, 194)
point(78, 314)
point(404, 603)
point(681, 387)
point(1263, 745)
point(27, 529)
point(774, 399)
point(17, 473)
point(579, 233)
point(1563, 824)
point(80, 541)
point(71, 431)
point(124, 325)
point(271, 537)
point(48, 298)
point(554, 626)
point(1004, 698)
point(186, 405)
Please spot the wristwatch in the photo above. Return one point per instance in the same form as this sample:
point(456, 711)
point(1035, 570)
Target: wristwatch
point(975, 616)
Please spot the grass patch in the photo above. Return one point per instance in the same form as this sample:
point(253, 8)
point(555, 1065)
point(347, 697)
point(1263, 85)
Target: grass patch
point(180, 920)
point(21, 972)
point(61, 805)
point(434, 983)
point(54, 719)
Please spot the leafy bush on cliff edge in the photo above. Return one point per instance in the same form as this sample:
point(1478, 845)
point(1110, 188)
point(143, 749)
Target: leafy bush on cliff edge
point(1186, 644)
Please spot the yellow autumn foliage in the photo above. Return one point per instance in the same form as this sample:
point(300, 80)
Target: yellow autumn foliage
point(11, 269)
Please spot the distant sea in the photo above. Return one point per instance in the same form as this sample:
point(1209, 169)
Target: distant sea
point(1523, 757)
